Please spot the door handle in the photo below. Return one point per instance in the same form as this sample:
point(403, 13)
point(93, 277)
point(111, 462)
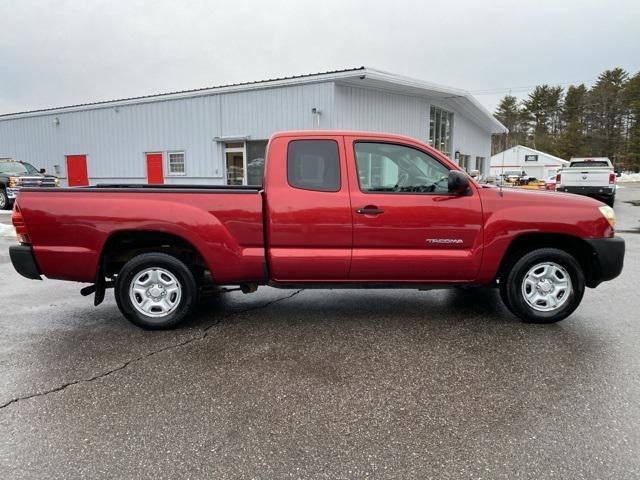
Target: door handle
point(369, 210)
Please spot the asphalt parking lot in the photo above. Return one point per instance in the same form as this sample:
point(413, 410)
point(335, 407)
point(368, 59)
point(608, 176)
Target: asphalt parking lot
point(322, 384)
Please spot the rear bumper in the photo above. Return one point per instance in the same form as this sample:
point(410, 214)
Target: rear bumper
point(608, 191)
point(24, 262)
point(607, 260)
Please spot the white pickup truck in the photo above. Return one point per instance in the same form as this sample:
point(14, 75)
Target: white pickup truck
point(594, 177)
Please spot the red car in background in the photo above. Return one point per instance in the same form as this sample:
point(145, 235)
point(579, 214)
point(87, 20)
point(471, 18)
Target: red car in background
point(550, 182)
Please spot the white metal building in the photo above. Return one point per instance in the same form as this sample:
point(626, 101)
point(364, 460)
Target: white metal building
point(218, 135)
point(534, 162)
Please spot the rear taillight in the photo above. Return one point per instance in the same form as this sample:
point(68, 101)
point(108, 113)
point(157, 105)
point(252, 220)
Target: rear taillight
point(557, 178)
point(612, 178)
point(18, 223)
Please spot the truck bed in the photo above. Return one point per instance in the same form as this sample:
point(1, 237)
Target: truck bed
point(69, 227)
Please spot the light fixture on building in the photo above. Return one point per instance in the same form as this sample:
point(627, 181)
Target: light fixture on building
point(56, 121)
point(316, 113)
point(457, 155)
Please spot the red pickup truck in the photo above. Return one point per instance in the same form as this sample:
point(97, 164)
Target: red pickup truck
point(337, 209)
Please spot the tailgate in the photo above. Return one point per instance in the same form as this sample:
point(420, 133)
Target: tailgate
point(588, 177)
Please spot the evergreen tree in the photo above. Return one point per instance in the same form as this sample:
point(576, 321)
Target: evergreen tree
point(606, 114)
point(571, 141)
point(603, 121)
point(543, 110)
point(631, 96)
point(510, 115)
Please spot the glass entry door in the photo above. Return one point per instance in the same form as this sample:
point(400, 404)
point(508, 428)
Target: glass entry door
point(236, 164)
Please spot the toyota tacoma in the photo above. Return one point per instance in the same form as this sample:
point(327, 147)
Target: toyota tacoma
point(336, 210)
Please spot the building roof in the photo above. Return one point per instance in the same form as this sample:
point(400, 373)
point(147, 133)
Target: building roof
point(360, 76)
point(533, 150)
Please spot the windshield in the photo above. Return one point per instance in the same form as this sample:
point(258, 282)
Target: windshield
point(30, 168)
point(13, 168)
point(592, 163)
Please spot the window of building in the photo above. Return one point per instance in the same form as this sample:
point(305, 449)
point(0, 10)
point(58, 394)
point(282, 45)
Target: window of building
point(256, 151)
point(480, 163)
point(314, 165)
point(441, 130)
point(176, 163)
point(388, 168)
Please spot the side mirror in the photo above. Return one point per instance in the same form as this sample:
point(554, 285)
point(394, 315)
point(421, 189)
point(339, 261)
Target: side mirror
point(43, 171)
point(458, 182)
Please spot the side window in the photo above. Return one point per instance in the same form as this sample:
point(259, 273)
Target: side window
point(388, 168)
point(314, 165)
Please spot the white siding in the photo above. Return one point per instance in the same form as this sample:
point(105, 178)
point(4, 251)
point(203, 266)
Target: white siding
point(374, 110)
point(377, 111)
point(115, 139)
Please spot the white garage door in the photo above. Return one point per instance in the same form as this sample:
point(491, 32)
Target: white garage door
point(536, 171)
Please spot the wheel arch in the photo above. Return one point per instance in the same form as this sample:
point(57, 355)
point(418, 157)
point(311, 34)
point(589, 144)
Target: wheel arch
point(122, 245)
point(527, 242)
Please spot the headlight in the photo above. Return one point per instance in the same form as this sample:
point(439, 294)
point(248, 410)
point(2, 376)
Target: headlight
point(56, 182)
point(609, 214)
point(13, 182)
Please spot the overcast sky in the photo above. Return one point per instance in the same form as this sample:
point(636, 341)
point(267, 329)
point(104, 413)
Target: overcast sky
point(68, 52)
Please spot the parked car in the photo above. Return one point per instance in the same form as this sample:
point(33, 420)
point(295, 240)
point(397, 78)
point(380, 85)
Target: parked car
point(550, 182)
point(337, 210)
point(594, 177)
point(15, 175)
point(511, 176)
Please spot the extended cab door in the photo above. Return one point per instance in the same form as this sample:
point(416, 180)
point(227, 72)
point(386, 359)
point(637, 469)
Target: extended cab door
point(406, 225)
point(307, 208)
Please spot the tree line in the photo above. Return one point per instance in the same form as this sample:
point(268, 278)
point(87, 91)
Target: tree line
point(601, 121)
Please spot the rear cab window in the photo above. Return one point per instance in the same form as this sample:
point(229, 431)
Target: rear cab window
point(313, 165)
point(587, 164)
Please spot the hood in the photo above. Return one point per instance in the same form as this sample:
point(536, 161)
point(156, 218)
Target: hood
point(548, 197)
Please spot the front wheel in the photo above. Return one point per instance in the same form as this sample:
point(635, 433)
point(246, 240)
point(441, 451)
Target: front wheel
point(155, 291)
point(5, 204)
point(544, 286)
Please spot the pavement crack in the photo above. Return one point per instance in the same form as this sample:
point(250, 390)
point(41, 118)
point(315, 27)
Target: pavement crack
point(204, 333)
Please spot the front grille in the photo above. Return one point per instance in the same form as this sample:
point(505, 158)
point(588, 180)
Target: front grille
point(36, 182)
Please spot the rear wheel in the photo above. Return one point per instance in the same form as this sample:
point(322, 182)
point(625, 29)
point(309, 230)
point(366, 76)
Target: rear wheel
point(155, 291)
point(5, 204)
point(544, 286)
point(610, 201)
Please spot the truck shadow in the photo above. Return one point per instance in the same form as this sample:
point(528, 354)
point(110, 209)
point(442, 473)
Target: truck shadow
point(474, 304)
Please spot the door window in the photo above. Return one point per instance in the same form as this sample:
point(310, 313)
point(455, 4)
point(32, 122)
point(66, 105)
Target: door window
point(389, 168)
point(314, 165)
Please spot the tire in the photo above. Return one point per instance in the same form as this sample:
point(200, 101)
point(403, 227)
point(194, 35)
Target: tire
point(155, 291)
point(540, 279)
point(610, 201)
point(5, 204)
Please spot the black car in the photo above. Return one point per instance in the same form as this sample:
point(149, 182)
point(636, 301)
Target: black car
point(14, 175)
